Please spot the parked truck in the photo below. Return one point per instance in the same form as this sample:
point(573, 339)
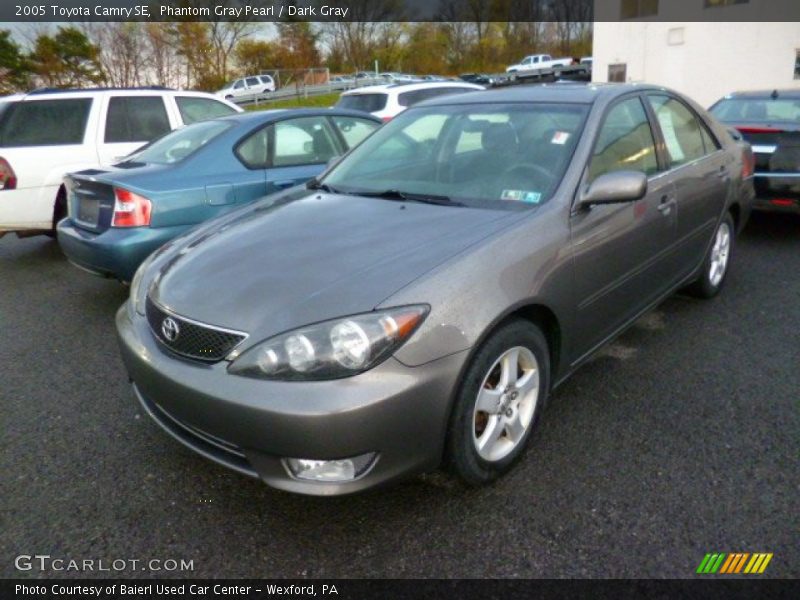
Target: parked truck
point(545, 67)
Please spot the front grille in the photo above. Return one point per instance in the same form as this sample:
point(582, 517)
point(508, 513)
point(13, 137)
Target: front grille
point(191, 339)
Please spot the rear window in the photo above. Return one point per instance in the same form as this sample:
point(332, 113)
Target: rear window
point(195, 109)
point(44, 122)
point(181, 143)
point(757, 109)
point(365, 102)
point(412, 98)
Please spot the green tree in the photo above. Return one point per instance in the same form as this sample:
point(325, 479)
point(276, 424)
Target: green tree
point(67, 59)
point(14, 68)
point(297, 46)
point(254, 56)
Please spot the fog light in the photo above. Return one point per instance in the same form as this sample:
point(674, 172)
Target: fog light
point(345, 469)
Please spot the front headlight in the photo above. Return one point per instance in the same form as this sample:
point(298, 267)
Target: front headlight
point(331, 349)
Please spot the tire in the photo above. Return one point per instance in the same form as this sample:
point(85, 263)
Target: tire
point(719, 256)
point(228, 97)
point(59, 211)
point(482, 445)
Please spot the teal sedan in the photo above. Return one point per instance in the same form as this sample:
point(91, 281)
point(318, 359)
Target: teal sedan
point(118, 217)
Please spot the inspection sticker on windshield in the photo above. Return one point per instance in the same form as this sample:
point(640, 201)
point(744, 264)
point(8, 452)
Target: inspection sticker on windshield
point(521, 196)
point(560, 138)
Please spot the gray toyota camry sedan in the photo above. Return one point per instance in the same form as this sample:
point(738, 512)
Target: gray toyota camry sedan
point(415, 305)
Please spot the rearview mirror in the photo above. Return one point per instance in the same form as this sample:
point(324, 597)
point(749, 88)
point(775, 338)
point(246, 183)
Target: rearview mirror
point(614, 188)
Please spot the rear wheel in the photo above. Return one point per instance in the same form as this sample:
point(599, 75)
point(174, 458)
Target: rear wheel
point(715, 266)
point(498, 403)
point(59, 210)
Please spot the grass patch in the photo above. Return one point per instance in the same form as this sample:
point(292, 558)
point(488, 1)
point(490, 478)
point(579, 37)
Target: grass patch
point(322, 101)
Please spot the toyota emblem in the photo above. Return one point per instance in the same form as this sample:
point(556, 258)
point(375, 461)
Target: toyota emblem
point(170, 329)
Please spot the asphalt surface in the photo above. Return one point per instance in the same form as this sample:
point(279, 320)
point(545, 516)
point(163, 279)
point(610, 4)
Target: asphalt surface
point(679, 439)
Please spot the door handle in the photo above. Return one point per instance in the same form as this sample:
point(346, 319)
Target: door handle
point(666, 204)
point(723, 173)
point(285, 184)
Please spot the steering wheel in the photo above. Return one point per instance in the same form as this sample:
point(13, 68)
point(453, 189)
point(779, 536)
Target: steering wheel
point(524, 170)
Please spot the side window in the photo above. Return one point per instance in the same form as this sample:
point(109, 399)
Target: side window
point(135, 119)
point(194, 109)
point(253, 151)
point(353, 129)
point(682, 133)
point(239, 84)
point(709, 141)
point(625, 142)
point(45, 122)
point(306, 141)
point(253, 81)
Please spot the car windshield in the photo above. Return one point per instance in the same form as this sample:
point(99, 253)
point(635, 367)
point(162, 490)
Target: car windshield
point(180, 144)
point(757, 109)
point(363, 102)
point(483, 155)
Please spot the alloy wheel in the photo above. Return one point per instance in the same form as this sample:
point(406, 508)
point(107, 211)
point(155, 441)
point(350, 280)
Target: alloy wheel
point(505, 404)
point(720, 253)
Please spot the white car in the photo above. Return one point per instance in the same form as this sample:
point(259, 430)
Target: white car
point(247, 88)
point(48, 133)
point(388, 101)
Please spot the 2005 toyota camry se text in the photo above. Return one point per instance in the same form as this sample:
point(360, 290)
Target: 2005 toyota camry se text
point(415, 304)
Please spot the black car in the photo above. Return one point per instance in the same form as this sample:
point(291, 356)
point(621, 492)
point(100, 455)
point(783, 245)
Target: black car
point(479, 78)
point(770, 121)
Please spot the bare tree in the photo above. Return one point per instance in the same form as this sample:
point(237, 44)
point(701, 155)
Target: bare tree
point(121, 56)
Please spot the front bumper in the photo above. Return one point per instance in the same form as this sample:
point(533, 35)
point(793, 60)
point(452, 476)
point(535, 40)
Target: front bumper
point(251, 425)
point(116, 252)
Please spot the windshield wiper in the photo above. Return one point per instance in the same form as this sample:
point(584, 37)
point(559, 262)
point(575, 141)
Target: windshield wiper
point(315, 184)
point(411, 197)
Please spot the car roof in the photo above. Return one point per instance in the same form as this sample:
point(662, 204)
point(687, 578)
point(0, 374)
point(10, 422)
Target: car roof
point(580, 94)
point(411, 87)
point(265, 116)
point(94, 92)
point(793, 94)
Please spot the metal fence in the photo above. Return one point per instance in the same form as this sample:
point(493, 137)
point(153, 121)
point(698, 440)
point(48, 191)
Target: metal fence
point(299, 89)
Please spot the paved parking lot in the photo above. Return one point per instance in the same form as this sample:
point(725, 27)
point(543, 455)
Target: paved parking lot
point(681, 438)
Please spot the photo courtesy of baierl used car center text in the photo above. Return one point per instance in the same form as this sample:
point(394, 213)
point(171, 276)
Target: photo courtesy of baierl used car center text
point(399, 299)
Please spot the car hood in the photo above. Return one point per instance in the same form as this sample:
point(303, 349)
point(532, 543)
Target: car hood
point(276, 266)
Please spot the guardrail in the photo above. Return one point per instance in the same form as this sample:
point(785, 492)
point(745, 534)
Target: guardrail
point(307, 91)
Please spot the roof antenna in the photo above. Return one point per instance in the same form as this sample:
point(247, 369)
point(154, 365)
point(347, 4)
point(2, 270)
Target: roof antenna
point(774, 94)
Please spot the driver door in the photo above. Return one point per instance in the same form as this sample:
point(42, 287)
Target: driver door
point(620, 251)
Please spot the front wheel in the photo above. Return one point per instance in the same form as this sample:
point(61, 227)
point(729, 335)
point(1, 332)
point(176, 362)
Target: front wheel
point(717, 262)
point(498, 403)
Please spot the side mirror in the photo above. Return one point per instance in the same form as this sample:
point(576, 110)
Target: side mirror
point(614, 188)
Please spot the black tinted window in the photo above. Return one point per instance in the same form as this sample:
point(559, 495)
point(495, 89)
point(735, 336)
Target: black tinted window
point(136, 119)
point(45, 122)
point(365, 102)
point(199, 109)
point(253, 81)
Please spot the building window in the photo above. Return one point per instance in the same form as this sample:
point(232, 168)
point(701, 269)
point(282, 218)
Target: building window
point(717, 3)
point(617, 73)
point(633, 9)
point(797, 64)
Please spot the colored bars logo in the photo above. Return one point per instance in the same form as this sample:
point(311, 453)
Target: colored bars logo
point(733, 563)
